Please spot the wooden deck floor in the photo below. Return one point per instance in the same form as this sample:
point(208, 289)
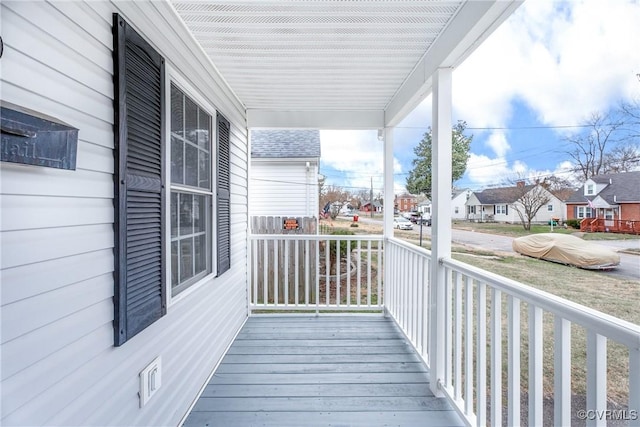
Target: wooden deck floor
point(320, 371)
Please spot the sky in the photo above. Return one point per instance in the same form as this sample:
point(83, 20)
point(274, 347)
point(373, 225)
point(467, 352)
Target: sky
point(545, 70)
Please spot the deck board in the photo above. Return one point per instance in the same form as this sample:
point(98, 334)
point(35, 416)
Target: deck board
point(320, 371)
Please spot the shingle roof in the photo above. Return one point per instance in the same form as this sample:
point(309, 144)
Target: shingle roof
point(493, 196)
point(624, 186)
point(285, 144)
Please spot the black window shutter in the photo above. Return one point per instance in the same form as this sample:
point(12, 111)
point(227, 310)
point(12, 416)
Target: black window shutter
point(139, 288)
point(506, 209)
point(223, 194)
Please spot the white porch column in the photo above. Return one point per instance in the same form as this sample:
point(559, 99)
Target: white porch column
point(387, 209)
point(387, 228)
point(441, 221)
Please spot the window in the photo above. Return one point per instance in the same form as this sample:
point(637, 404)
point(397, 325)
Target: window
point(501, 209)
point(584, 212)
point(456, 209)
point(549, 208)
point(191, 192)
point(590, 189)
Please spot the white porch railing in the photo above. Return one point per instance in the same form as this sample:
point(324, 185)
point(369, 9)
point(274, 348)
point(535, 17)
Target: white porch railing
point(485, 332)
point(316, 272)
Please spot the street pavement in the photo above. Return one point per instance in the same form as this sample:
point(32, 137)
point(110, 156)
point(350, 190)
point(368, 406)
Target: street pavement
point(629, 267)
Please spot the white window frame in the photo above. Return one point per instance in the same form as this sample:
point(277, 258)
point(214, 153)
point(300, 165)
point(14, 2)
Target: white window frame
point(582, 212)
point(550, 208)
point(173, 77)
point(590, 189)
point(501, 209)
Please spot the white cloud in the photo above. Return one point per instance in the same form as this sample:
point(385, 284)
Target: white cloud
point(563, 59)
point(484, 171)
point(358, 155)
point(498, 143)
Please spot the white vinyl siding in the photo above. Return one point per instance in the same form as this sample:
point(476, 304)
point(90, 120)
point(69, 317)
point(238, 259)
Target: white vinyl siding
point(59, 365)
point(281, 188)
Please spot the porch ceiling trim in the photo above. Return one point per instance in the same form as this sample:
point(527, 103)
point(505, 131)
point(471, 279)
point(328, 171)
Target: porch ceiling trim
point(333, 64)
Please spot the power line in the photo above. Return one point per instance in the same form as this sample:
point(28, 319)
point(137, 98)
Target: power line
point(505, 128)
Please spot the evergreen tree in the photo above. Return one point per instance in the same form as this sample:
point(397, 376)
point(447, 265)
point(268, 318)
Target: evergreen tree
point(419, 179)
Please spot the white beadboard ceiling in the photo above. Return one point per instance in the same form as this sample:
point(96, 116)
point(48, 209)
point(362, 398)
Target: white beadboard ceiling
point(336, 63)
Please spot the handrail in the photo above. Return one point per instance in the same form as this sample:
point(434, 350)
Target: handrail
point(612, 327)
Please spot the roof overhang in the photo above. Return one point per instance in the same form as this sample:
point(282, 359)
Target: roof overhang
point(332, 64)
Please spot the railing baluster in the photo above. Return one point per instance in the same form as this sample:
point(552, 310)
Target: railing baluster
point(427, 302)
point(327, 270)
point(596, 378)
point(285, 261)
point(317, 295)
point(448, 339)
point(359, 273)
point(513, 380)
point(481, 356)
point(380, 296)
point(562, 372)
point(535, 365)
point(276, 261)
point(496, 357)
point(307, 249)
point(265, 263)
point(420, 332)
point(457, 386)
point(348, 287)
point(634, 385)
point(255, 272)
point(338, 260)
point(368, 273)
point(296, 278)
point(411, 306)
point(468, 346)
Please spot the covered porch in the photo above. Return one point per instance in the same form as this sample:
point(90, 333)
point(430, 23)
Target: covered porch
point(477, 341)
point(380, 343)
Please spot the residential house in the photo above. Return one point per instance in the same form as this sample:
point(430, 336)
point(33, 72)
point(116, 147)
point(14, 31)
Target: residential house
point(608, 202)
point(502, 204)
point(374, 206)
point(406, 202)
point(127, 276)
point(425, 208)
point(459, 199)
point(284, 173)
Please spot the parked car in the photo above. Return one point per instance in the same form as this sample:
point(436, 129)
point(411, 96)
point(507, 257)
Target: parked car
point(417, 219)
point(567, 249)
point(402, 223)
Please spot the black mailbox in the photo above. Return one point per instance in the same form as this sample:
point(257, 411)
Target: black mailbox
point(32, 138)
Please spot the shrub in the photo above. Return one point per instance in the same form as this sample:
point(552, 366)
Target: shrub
point(343, 244)
point(573, 223)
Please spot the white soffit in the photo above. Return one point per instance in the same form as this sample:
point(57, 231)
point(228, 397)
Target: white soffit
point(336, 63)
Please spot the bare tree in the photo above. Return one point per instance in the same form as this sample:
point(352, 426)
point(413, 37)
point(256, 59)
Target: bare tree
point(529, 199)
point(588, 150)
point(622, 158)
point(330, 197)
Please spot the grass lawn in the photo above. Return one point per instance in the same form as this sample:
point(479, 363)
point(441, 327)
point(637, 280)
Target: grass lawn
point(516, 230)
